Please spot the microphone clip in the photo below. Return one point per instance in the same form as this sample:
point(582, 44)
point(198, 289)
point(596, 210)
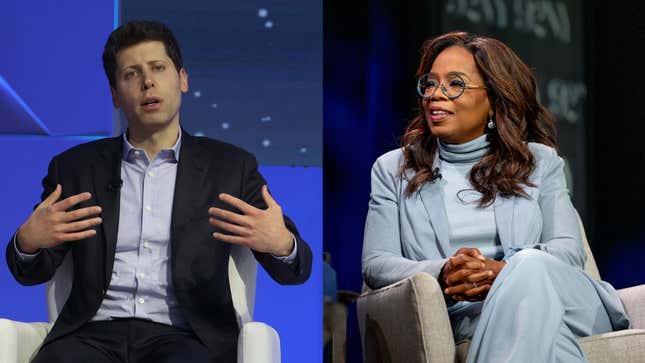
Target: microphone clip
point(436, 174)
point(114, 185)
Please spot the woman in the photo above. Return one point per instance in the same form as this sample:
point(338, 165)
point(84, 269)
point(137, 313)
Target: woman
point(476, 197)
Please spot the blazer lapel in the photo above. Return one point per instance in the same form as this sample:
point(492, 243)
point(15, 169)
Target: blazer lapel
point(432, 198)
point(504, 214)
point(106, 173)
point(191, 171)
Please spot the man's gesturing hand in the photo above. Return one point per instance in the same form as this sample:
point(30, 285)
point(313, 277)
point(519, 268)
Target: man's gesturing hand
point(50, 224)
point(260, 230)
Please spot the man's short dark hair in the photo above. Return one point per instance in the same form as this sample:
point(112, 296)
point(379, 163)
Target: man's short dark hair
point(135, 32)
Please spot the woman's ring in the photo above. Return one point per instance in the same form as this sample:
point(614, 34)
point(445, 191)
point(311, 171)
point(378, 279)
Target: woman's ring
point(474, 284)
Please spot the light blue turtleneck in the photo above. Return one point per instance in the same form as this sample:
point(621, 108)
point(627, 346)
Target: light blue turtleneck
point(470, 225)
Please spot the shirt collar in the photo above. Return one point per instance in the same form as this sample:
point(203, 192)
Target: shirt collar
point(171, 153)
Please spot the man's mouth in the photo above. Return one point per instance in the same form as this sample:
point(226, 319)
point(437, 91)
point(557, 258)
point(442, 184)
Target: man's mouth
point(150, 104)
point(149, 101)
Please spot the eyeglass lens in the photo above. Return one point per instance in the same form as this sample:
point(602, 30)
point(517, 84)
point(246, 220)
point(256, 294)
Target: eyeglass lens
point(452, 88)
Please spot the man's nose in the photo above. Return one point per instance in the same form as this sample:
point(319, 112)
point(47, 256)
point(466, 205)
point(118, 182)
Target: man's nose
point(147, 82)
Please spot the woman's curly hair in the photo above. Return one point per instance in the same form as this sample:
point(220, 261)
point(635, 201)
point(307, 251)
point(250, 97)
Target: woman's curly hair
point(518, 116)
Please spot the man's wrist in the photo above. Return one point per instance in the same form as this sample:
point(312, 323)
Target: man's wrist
point(22, 248)
point(289, 246)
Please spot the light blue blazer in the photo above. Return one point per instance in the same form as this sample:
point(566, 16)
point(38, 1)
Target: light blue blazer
point(405, 235)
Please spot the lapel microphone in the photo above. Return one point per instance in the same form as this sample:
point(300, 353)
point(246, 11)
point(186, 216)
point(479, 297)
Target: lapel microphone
point(115, 185)
point(436, 173)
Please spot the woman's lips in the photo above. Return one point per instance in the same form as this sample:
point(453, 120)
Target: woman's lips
point(439, 115)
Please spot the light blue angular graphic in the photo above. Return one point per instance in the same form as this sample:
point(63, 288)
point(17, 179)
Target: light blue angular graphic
point(15, 115)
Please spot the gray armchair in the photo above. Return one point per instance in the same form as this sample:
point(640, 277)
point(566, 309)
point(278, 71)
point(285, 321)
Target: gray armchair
point(408, 322)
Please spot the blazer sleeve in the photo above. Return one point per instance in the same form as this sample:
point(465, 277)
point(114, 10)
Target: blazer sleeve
point(561, 235)
point(291, 273)
point(44, 265)
point(383, 262)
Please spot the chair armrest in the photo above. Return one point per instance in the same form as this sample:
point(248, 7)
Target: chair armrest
point(347, 297)
point(406, 322)
point(258, 342)
point(19, 341)
point(633, 299)
point(335, 330)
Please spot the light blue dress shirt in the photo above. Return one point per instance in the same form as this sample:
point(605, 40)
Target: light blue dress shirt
point(141, 283)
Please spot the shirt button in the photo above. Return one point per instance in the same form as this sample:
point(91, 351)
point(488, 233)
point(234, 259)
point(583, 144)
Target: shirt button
point(142, 275)
point(148, 208)
point(141, 300)
point(146, 244)
point(151, 173)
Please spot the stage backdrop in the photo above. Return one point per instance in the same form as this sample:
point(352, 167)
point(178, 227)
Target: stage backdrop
point(264, 96)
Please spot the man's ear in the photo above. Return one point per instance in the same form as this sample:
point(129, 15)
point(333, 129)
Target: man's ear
point(115, 101)
point(183, 80)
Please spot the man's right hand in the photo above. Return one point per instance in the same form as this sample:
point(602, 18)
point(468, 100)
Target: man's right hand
point(51, 224)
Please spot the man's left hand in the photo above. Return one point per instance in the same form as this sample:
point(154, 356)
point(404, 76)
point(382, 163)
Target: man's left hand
point(260, 230)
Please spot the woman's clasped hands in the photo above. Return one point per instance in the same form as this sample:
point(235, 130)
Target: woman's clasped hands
point(468, 275)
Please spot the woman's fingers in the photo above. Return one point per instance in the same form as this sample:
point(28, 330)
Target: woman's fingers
point(479, 276)
point(471, 292)
point(472, 252)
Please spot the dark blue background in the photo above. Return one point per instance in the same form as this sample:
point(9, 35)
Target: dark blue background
point(254, 71)
point(372, 50)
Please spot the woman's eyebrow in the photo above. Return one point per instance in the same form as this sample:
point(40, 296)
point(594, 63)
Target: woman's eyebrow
point(453, 73)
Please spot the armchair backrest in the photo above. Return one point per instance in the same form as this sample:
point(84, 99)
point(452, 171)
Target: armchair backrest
point(590, 266)
point(242, 274)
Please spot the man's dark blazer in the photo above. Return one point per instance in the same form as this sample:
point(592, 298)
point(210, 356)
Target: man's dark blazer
point(199, 263)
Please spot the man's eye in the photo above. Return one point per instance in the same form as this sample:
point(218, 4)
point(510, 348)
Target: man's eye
point(159, 67)
point(129, 74)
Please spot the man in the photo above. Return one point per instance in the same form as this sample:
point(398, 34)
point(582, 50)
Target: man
point(149, 218)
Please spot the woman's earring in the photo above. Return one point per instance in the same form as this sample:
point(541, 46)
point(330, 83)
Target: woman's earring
point(491, 124)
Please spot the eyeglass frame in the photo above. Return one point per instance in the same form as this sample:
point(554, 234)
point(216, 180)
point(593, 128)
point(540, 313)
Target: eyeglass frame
point(443, 88)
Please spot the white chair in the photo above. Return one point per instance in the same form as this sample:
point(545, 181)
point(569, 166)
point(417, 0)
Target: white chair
point(257, 342)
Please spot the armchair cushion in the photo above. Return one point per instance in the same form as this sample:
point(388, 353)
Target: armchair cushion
point(633, 299)
point(619, 346)
point(412, 314)
point(258, 342)
point(20, 341)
